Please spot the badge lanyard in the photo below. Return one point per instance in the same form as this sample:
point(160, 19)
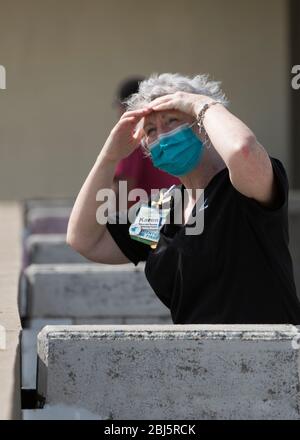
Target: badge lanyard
point(149, 221)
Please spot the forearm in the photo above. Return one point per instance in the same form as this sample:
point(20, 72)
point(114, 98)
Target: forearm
point(249, 165)
point(228, 134)
point(83, 229)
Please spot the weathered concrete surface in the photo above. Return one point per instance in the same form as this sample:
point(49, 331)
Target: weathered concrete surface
point(59, 412)
point(48, 220)
point(294, 229)
point(91, 291)
point(51, 248)
point(29, 348)
point(83, 294)
point(10, 264)
point(164, 319)
point(48, 202)
point(172, 372)
point(29, 338)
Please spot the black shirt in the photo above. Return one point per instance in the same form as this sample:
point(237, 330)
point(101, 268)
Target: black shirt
point(237, 271)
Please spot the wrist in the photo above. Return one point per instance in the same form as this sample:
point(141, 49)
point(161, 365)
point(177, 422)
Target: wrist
point(107, 160)
point(200, 120)
point(201, 103)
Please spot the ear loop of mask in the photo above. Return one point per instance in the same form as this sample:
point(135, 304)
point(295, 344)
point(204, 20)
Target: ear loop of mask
point(206, 144)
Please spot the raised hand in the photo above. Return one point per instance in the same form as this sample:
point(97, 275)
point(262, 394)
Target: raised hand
point(125, 136)
point(189, 103)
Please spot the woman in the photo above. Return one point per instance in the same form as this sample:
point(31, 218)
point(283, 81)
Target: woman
point(239, 269)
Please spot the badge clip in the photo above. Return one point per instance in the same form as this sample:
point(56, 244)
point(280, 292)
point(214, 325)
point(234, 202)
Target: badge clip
point(150, 219)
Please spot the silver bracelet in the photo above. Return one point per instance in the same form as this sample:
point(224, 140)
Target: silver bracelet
point(200, 118)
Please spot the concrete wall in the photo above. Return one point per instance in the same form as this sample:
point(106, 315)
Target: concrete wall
point(83, 294)
point(64, 58)
point(10, 327)
point(90, 291)
point(50, 248)
point(173, 372)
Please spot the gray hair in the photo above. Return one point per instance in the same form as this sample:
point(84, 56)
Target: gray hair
point(157, 85)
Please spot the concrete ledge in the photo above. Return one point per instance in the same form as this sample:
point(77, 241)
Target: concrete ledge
point(172, 371)
point(83, 294)
point(51, 249)
point(45, 212)
point(47, 202)
point(10, 327)
point(34, 326)
point(90, 291)
point(29, 349)
point(47, 220)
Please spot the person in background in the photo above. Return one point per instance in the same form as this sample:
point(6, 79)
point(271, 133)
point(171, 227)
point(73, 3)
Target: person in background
point(137, 168)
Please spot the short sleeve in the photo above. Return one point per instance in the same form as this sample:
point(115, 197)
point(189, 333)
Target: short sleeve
point(280, 205)
point(134, 250)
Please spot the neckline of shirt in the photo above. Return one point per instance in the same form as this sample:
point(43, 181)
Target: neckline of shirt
point(209, 184)
point(182, 187)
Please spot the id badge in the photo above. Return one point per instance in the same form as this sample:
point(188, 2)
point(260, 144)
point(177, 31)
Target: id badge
point(146, 227)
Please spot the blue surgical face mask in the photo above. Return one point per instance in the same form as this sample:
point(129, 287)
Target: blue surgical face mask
point(177, 152)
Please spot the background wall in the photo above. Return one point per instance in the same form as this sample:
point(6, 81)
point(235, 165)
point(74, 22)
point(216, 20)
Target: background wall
point(64, 58)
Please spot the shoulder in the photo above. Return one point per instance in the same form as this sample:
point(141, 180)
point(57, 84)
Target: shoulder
point(280, 192)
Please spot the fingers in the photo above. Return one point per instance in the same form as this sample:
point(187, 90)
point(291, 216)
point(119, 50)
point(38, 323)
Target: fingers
point(137, 136)
point(130, 119)
point(165, 106)
point(160, 100)
point(131, 122)
point(167, 102)
point(136, 113)
point(125, 121)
